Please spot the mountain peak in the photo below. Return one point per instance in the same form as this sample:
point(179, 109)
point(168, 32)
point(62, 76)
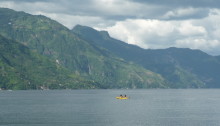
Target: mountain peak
point(105, 34)
point(90, 32)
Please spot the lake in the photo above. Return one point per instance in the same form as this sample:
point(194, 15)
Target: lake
point(151, 107)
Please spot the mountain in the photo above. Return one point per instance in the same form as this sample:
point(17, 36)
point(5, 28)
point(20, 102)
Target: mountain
point(204, 66)
point(20, 68)
point(82, 58)
point(182, 68)
point(217, 57)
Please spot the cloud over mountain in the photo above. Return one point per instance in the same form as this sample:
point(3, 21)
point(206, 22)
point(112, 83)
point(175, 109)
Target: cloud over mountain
point(146, 23)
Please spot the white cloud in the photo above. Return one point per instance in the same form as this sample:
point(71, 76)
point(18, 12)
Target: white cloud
point(186, 28)
point(142, 32)
point(194, 43)
point(206, 45)
point(195, 33)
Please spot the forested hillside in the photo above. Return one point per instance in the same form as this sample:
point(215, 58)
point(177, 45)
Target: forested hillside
point(182, 68)
point(49, 38)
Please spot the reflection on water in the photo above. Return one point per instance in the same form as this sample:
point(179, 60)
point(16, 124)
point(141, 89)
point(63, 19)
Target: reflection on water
point(167, 107)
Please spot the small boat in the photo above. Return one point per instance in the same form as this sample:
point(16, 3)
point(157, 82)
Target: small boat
point(122, 98)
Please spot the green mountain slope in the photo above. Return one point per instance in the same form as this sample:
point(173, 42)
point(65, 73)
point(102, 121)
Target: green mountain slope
point(51, 39)
point(204, 66)
point(20, 68)
point(182, 68)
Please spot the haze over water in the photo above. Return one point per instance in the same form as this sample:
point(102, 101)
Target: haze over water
point(153, 107)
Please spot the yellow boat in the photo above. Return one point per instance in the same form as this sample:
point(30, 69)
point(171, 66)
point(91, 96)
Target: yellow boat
point(121, 98)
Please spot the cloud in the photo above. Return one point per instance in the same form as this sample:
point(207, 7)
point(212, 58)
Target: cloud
point(210, 46)
point(182, 3)
point(62, 12)
point(71, 20)
point(145, 33)
point(186, 28)
point(108, 10)
point(123, 8)
point(195, 33)
point(186, 13)
point(31, 7)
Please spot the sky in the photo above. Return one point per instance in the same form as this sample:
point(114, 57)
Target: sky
point(150, 24)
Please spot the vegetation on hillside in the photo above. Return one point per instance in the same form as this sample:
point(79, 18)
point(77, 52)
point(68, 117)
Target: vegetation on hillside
point(20, 68)
point(182, 68)
point(83, 59)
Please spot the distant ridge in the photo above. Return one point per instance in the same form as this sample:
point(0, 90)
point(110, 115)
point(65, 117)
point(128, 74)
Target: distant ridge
point(182, 67)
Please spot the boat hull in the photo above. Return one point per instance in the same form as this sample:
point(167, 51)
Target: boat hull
point(122, 98)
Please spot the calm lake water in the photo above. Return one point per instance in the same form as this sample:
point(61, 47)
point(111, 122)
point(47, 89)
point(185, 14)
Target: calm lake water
point(158, 107)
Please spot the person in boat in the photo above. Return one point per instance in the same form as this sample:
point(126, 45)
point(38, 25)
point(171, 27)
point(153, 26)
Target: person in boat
point(123, 96)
